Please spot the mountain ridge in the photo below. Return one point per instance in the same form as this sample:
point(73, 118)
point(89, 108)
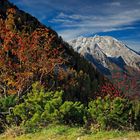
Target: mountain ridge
point(110, 47)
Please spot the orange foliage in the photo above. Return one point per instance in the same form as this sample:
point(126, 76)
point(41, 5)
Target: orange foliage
point(11, 11)
point(25, 58)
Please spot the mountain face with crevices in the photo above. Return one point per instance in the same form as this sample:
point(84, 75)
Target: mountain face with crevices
point(106, 53)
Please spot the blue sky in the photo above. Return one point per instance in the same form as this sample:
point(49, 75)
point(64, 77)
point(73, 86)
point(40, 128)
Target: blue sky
point(73, 18)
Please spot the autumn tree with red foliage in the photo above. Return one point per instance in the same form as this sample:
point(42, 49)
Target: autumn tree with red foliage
point(26, 58)
point(122, 85)
point(111, 90)
point(128, 84)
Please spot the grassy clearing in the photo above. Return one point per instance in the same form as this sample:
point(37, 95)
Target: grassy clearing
point(61, 132)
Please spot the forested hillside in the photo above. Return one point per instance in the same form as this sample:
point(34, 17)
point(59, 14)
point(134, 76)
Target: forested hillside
point(31, 52)
point(43, 81)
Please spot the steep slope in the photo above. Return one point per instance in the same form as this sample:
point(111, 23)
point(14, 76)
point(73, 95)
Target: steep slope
point(112, 58)
point(110, 52)
point(32, 52)
point(22, 20)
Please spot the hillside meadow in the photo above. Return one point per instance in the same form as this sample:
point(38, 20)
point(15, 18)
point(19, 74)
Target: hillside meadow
point(64, 132)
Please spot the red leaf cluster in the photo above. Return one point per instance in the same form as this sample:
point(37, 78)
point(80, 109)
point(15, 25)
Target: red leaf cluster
point(25, 58)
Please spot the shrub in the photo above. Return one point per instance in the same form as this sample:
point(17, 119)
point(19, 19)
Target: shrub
point(7, 102)
point(72, 112)
point(38, 109)
point(6, 105)
point(110, 113)
point(136, 115)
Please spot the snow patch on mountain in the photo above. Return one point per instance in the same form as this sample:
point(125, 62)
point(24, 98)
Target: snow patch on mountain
point(106, 50)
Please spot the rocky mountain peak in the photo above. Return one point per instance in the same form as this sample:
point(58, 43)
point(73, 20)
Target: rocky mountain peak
point(106, 48)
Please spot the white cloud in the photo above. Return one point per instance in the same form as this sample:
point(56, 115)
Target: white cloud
point(66, 21)
point(73, 17)
point(119, 29)
point(72, 33)
point(76, 25)
point(79, 17)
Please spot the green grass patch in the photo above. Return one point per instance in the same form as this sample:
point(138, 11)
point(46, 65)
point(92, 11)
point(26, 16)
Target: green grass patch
point(63, 132)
